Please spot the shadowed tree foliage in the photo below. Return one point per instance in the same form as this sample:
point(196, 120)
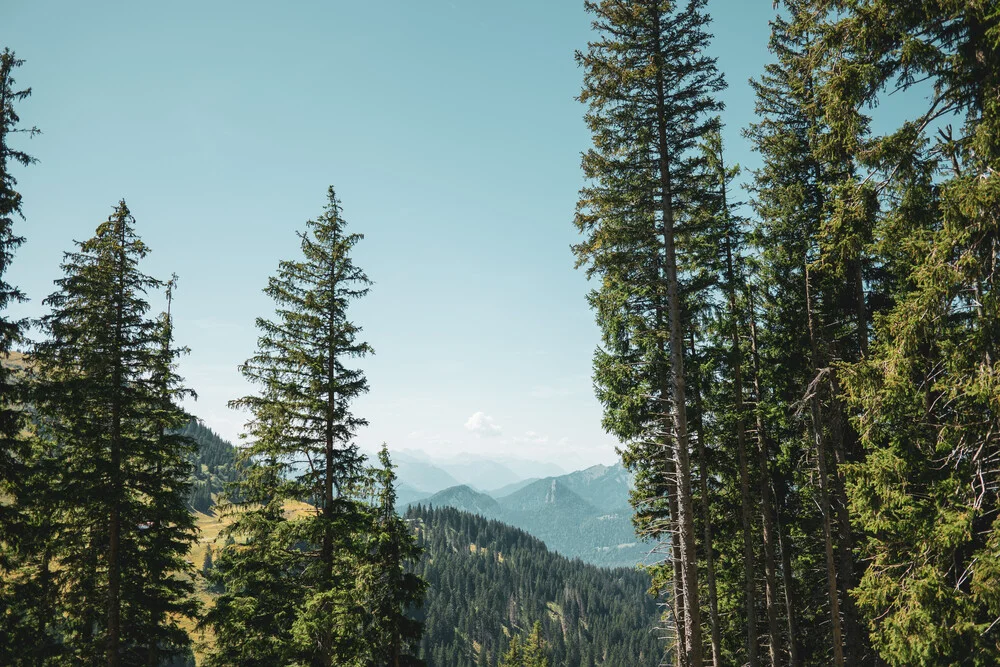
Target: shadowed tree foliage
point(388, 587)
point(20, 532)
point(105, 394)
point(650, 94)
point(321, 586)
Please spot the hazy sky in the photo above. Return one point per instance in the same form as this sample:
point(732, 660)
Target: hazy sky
point(451, 133)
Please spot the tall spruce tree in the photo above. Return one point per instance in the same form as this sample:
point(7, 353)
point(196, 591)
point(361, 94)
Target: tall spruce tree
point(104, 392)
point(304, 569)
point(166, 588)
point(802, 280)
point(256, 574)
point(924, 399)
point(650, 90)
point(19, 534)
point(11, 419)
point(719, 368)
point(388, 590)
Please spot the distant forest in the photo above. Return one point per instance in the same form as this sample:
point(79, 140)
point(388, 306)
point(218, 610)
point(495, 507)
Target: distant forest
point(800, 363)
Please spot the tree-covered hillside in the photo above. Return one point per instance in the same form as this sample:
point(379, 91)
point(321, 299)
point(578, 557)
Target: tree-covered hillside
point(489, 582)
point(214, 463)
point(583, 514)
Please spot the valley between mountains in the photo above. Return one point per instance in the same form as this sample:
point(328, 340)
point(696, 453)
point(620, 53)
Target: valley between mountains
point(559, 551)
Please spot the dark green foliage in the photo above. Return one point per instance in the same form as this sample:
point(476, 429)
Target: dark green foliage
point(650, 91)
point(322, 587)
point(105, 393)
point(789, 202)
point(526, 652)
point(18, 532)
point(488, 582)
point(257, 578)
point(924, 399)
point(388, 591)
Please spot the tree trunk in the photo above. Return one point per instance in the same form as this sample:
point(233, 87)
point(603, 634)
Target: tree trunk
point(675, 559)
point(713, 597)
point(114, 524)
point(788, 584)
point(853, 634)
point(331, 408)
point(749, 561)
point(674, 524)
point(766, 509)
point(821, 457)
point(689, 561)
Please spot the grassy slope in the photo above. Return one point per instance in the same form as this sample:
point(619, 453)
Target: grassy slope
point(209, 527)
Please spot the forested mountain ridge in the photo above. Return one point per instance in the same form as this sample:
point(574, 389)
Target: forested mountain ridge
point(489, 581)
point(583, 514)
point(466, 499)
point(214, 464)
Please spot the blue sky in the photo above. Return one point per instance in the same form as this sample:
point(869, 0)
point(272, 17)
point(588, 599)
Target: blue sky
point(451, 133)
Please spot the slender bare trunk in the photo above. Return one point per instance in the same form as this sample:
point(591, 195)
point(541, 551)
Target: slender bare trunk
point(689, 561)
point(853, 634)
point(749, 560)
point(713, 596)
point(821, 457)
point(788, 585)
point(675, 559)
point(766, 508)
point(670, 470)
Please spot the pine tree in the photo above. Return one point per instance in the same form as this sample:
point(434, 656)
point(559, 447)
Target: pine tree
point(805, 304)
point(207, 562)
point(529, 652)
point(924, 396)
point(18, 534)
point(649, 90)
point(388, 589)
point(257, 576)
point(301, 450)
point(105, 394)
point(169, 530)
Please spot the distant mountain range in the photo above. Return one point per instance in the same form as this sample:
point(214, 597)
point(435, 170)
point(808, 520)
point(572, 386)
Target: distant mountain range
point(584, 514)
point(419, 472)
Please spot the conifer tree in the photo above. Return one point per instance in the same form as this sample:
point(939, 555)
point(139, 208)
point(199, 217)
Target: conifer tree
point(650, 90)
point(301, 449)
point(105, 395)
point(169, 530)
point(388, 589)
point(924, 397)
point(257, 576)
point(529, 652)
point(11, 419)
point(798, 411)
point(719, 368)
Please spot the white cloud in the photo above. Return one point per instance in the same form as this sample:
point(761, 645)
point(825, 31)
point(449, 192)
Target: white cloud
point(483, 425)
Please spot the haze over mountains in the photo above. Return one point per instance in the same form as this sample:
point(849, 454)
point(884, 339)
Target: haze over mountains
point(421, 475)
point(583, 514)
